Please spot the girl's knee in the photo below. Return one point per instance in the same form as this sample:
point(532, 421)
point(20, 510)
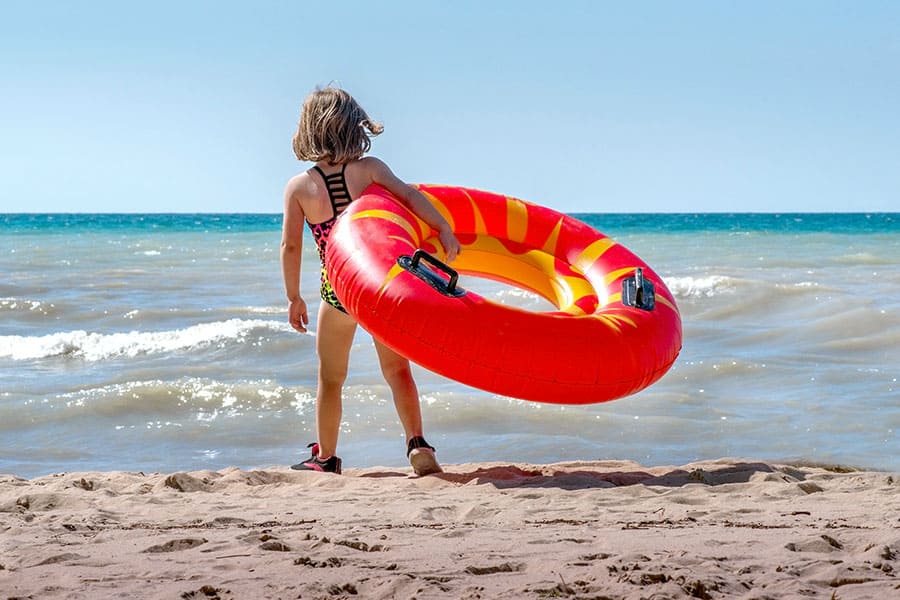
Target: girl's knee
point(401, 381)
point(332, 377)
point(396, 370)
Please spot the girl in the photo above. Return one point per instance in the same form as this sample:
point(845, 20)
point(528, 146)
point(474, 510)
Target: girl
point(334, 133)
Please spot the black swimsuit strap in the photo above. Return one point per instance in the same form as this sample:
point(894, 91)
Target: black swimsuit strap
point(336, 184)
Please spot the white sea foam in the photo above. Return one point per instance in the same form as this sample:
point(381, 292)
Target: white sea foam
point(168, 402)
point(520, 298)
point(699, 287)
point(98, 346)
point(265, 310)
point(20, 304)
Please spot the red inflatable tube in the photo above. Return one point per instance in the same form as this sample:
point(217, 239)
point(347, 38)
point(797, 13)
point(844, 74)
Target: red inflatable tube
point(616, 329)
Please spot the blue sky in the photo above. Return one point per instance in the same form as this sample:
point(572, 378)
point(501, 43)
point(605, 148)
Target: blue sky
point(582, 106)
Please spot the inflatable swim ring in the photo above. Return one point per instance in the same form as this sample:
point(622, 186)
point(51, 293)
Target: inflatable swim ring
point(616, 329)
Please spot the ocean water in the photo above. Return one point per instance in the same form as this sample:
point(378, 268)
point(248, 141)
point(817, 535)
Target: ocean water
point(160, 343)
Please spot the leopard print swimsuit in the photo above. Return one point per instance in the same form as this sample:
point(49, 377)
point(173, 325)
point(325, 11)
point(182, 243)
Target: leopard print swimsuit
point(340, 199)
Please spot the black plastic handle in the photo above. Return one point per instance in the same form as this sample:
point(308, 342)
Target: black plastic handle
point(444, 286)
point(638, 292)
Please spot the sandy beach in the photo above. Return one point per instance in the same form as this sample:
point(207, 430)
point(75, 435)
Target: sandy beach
point(717, 529)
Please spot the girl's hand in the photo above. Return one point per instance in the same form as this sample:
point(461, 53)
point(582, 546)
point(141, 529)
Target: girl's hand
point(297, 315)
point(450, 243)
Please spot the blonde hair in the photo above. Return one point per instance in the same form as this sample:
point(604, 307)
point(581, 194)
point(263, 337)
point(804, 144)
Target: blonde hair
point(333, 127)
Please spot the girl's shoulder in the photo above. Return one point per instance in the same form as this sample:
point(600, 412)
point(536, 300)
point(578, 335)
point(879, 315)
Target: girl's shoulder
point(371, 166)
point(300, 185)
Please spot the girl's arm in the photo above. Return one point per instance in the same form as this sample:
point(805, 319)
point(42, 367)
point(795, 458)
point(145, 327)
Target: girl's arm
point(417, 202)
point(291, 253)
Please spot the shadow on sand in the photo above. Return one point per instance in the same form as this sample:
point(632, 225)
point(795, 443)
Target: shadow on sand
point(511, 476)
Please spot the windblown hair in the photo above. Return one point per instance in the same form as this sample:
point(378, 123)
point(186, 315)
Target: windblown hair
point(333, 127)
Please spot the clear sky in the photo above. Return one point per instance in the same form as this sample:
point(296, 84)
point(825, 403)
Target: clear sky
point(584, 106)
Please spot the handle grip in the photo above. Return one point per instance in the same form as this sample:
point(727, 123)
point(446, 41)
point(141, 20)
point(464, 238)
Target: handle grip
point(638, 292)
point(444, 286)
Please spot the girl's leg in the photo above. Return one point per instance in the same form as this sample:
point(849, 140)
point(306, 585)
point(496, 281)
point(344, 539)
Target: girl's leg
point(333, 341)
point(398, 375)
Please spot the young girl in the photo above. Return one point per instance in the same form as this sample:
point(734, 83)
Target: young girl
point(334, 133)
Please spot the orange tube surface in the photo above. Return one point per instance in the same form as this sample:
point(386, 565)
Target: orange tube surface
point(593, 348)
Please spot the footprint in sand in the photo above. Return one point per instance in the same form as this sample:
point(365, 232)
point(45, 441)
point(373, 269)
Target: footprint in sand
point(274, 546)
point(60, 558)
point(824, 543)
point(176, 545)
point(208, 592)
point(503, 568)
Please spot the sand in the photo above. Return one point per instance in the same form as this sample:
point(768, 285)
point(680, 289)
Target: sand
point(722, 529)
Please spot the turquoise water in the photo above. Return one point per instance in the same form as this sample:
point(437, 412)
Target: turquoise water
point(159, 343)
point(862, 223)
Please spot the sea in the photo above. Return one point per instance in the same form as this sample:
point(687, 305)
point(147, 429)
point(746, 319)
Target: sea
point(160, 343)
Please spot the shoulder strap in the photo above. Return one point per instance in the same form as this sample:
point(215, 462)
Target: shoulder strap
point(336, 184)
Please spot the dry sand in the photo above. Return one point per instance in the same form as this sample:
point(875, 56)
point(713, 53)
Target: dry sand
point(722, 529)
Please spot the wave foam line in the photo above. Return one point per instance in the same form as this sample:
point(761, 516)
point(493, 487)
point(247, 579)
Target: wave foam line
point(99, 346)
point(699, 287)
point(23, 305)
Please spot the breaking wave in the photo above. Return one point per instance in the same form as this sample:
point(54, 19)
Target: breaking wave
point(99, 346)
